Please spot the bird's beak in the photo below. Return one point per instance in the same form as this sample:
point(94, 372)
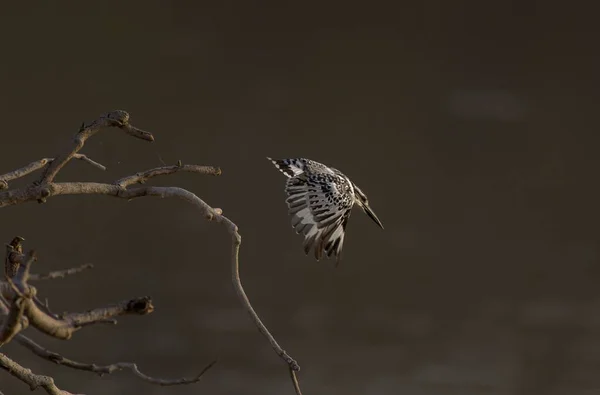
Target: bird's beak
point(371, 214)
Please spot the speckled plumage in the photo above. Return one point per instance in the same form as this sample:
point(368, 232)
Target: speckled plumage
point(320, 200)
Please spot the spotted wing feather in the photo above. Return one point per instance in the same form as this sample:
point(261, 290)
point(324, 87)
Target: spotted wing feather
point(320, 211)
point(296, 166)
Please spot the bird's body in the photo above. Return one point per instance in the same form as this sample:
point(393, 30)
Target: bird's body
point(320, 200)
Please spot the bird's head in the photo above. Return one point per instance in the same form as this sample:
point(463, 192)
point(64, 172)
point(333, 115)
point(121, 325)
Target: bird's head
point(363, 202)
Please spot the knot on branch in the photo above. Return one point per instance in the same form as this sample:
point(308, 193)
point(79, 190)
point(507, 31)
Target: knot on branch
point(119, 118)
point(140, 306)
point(293, 364)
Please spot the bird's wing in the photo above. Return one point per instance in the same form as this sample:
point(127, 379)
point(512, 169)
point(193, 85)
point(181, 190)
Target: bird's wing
point(320, 212)
point(289, 167)
point(295, 166)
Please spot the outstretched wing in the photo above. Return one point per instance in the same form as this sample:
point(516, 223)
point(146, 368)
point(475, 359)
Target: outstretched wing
point(289, 167)
point(320, 209)
point(296, 166)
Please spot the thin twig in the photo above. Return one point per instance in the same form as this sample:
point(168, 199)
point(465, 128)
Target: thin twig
point(39, 164)
point(90, 161)
point(22, 172)
point(142, 177)
point(60, 273)
point(237, 283)
point(117, 118)
point(294, 381)
point(105, 369)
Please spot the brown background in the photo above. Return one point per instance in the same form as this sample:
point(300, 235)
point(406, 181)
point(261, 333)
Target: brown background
point(472, 127)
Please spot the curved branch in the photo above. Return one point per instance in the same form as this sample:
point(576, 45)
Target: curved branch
point(105, 369)
point(237, 283)
point(236, 240)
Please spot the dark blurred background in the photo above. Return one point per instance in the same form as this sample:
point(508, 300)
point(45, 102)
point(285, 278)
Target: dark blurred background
point(471, 126)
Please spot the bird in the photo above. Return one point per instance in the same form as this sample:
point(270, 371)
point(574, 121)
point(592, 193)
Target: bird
point(320, 200)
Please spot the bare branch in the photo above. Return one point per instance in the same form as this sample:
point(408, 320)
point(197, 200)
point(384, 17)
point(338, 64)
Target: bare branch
point(117, 118)
point(23, 303)
point(237, 283)
point(105, 369)
point(60, 273)
point(142, 177)
point(22, 172)
point(139, 306)
point(39, 164)
point(22, 195)
point(294, 381)
point(34, 381)
point(63, 327)
point(90, 161)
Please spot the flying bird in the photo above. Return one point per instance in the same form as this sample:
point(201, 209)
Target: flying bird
point(320, 200)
